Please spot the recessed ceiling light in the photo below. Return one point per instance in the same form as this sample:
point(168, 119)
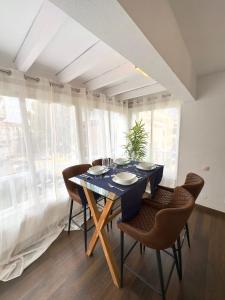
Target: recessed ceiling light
point(141, 71)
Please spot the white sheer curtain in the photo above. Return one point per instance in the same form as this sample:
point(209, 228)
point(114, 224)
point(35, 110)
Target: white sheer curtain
point(44, 129)
point(102, 124)
point(161, 116)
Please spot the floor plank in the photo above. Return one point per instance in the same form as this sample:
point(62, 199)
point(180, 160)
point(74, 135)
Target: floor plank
point(64, 272)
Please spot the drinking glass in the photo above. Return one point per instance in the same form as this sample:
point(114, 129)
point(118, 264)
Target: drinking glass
point(105, 162)
point(111, 162)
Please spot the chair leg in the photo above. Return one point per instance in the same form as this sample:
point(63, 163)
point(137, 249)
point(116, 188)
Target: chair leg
point(176, 261)
point(141, 249)
point(70, 216)
point(111, 221)
point(158, 255)
point(179, 256)
point(85, 227)
point(121, 257)
point(188, 236)
point(89, 213)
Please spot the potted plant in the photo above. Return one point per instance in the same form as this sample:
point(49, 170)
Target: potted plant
point(136, 141)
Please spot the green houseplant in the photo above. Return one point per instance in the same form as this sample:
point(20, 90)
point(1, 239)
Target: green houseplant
point(136, 141)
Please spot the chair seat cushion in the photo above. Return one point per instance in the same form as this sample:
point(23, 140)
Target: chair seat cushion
point(140, 224)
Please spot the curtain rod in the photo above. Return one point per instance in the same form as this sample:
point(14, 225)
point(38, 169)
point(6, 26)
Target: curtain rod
point(31, 78)
point(75, 90)
point(59, 85)
point(37, 79)
point(8, 72)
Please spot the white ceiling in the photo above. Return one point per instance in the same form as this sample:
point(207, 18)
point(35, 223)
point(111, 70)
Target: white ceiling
point(202, 24)
point(15, 20)
point(38, 38)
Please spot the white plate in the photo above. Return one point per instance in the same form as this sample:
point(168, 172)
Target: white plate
point(145, 166)
point(97, 170)
point(123, 183)
point(121, 161)
point(125, 177)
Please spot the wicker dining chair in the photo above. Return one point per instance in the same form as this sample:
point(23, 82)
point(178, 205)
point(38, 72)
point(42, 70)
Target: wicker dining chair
point(77, 195)
point(158, 229)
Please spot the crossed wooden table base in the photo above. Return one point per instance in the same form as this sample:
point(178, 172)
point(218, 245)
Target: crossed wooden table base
point(100, 220)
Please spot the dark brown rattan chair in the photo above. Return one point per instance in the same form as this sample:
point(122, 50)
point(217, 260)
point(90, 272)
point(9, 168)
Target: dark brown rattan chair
point(158, 229)
point(74, 195)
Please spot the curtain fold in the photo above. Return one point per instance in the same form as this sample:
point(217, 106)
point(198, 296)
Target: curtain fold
point(44, 129)
point(102, 124)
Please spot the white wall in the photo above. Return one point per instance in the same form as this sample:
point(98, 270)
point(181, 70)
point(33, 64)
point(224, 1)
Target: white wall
point(202, 140)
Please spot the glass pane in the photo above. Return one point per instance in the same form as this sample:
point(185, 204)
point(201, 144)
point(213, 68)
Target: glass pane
point(52, 128)
point(146, 116)
point(118, 129)
point(15, 176)
point(162, 126)
point(95, 131)
point(165, 140)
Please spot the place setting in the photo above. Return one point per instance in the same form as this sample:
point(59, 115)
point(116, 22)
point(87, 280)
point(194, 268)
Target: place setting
point(145, 166)
point(122, 161)
point(96, 171)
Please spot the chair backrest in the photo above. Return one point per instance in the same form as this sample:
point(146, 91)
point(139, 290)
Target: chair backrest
point(71, 172)
point(194, 184)
point(97, 162)
point(170, 221)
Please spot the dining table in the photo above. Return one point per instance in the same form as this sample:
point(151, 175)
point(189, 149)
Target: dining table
point(130, 202)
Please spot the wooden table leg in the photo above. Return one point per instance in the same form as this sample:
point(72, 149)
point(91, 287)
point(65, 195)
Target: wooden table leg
point(100, 220)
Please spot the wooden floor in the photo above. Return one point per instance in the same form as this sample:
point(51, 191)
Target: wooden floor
point(64, 272)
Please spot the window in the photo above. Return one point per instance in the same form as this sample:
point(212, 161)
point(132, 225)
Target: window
point(162, 126)
point(40, 138)
point(53, 143)
point(37, 141)
point(15, 171)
